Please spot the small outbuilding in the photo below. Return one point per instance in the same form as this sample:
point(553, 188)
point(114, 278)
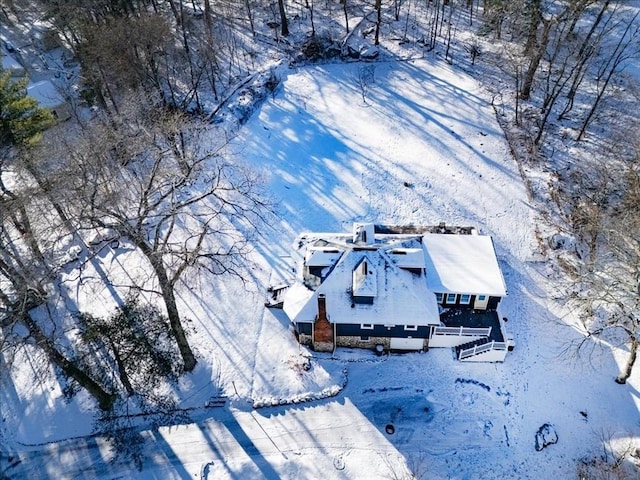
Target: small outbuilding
point(50, 98)
point(10, 64)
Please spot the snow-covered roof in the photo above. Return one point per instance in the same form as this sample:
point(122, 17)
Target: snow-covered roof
point(10, 64)
point(391, 270)
point(46, 94)
point(365, 282)
point(408, 257)
point(322, 256)
point(400, 297)
point(463, 264)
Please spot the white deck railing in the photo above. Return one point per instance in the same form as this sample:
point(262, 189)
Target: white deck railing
point(462, 331)
point(478, 349)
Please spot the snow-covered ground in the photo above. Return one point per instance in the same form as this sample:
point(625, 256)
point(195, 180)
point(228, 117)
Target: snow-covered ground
point(421, 147)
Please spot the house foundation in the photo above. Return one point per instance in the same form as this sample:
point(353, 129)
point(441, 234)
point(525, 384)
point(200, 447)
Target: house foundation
point(352, 342)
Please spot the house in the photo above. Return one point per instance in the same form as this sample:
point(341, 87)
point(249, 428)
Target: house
point(399, 288)
point(49, 97)
point(10, 64)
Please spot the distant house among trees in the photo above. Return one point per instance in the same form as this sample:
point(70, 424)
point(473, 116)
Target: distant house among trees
point(399, 288)
point(10, 64)
point(50, 98)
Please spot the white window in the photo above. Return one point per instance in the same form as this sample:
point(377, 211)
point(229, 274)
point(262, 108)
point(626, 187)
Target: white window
point(411, 328)
point(482, 298)
point(439, 297)
point(366, 326)
point(465, 299)
point(451, 297)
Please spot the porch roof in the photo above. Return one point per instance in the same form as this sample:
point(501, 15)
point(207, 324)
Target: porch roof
point(463, 264)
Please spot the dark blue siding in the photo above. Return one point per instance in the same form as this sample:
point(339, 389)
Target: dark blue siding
point(304, 328)
point(491, 305)
point(354, 330)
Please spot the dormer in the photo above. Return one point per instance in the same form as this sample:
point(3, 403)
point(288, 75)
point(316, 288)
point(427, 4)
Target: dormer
point(411, 259)
point(319, 258)
point(364, 234)
point(365, 284)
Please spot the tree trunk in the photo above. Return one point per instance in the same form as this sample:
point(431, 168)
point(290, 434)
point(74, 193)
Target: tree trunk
point(585, 52)
point(310, 6)
point(578, 9)
point(378, 21)
point(194, 74)
point(346, 15)
point(169, 298)
point(626, 373)
point(105, 400)
point(617, 58)
point(535, 17)
point(433, 32)
point(527, 82)
point(208, 16)
point(283, 19)
point(122, 371)
point(247, 5)
point(448, 48)
point(21, 222)
point(175, 11)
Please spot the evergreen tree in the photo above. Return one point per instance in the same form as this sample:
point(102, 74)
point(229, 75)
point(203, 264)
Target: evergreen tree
point(22, 121)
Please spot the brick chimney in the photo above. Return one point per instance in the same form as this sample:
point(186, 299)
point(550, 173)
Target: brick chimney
point(322, 328)
point(322, 308)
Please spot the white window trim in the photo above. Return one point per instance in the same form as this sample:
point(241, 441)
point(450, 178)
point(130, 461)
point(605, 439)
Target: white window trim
point(455, 298)
point(366, 326)
point(482, 298)
point(465, 299)
point(411, 328)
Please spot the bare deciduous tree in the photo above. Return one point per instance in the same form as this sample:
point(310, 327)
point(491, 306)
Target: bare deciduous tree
point(626, 50)
point(608, 292)
point(26, 274)
point(378, 8)
point(284, 23)
point(613, 463)
point(180, 204)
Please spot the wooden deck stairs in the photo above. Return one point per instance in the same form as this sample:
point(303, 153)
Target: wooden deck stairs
point(483, 349)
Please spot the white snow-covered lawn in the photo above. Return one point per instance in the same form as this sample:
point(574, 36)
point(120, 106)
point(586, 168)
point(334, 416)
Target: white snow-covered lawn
point(423, 147)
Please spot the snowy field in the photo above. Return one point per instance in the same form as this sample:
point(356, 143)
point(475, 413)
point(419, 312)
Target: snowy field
point(418, 144)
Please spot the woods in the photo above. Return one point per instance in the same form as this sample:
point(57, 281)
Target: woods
point(131, 174)
point(138, 237)
point(138, 166)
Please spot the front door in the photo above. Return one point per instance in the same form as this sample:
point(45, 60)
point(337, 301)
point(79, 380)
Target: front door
point(481, 302)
